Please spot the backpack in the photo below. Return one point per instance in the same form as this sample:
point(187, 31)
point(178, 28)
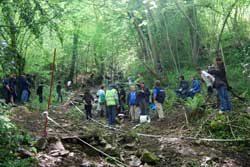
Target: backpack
point(160, 97)
point(132, 98)
point(102, 98)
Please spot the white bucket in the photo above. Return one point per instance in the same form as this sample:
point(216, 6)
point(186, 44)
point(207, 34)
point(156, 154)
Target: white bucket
point(145, 119)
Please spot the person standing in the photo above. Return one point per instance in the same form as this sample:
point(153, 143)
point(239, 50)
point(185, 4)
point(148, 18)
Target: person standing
point(208, 79)
point(222, 86)
point(88, 99)
point(39, 92)
point(12, 88)
point(6, 90)
point(131, 99)
point(111, 103)
point(59, 91)
point(101, 101)
point(142, 99)
point(159, 96)
point(24, 89)
point(122, 98)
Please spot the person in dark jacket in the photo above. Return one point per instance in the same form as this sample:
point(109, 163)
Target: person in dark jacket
point(182, 92)
point(24, 85)
point(59, 91)
point(221, 85)
point(88, 99)
point(11, 88)
point(6, 90)
point(142, 98)
point(122, 98)
point(39, 92)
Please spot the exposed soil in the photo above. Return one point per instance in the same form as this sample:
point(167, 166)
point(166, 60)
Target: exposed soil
point(171, 152)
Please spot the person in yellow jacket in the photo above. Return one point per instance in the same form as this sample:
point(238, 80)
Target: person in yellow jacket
point(111, 104)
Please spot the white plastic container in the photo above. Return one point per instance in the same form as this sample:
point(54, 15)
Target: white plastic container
point(145, 119)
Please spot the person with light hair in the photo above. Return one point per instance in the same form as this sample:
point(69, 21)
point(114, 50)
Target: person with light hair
point(131, 99)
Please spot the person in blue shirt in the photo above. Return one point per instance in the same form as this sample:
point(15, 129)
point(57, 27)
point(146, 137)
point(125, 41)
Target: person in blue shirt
point(182, 92)
point(195, 87)
point(131, 99)
point(158, 99)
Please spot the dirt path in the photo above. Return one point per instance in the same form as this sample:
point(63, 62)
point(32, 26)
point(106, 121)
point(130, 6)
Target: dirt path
point(170, 152)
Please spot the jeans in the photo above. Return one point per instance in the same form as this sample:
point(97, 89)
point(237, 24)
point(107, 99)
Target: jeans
point(24, 96)
point(111, 110)
point(225, 104)
point(88, 109)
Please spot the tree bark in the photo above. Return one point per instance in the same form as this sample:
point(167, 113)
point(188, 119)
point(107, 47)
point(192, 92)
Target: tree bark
point(74, 56)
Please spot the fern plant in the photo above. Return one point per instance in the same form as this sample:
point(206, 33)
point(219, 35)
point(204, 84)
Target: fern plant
point(196, 103)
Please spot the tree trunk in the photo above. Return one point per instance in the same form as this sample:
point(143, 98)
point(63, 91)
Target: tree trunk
point(195, 40)
point(74, 56)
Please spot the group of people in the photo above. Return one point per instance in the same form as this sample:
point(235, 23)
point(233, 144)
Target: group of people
point(16, 88)
point(113, 100)
point(216, 81)
point(59, 93)
point(184, 91)
point(139, 99)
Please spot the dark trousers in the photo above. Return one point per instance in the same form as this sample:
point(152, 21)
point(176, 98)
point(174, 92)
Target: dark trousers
point(143, 105)
point(209, 91)
point(88, 109)
point(59, 96)
point(40, 98)
point(182, 94)
point(111, 110)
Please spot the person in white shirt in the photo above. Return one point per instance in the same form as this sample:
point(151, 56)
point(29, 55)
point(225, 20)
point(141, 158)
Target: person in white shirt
point(101, 101)
point(208, 79)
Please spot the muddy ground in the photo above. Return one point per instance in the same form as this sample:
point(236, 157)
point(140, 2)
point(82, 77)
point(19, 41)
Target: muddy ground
point(64, 150)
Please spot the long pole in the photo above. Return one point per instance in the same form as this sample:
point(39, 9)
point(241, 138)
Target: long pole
point(50, 93)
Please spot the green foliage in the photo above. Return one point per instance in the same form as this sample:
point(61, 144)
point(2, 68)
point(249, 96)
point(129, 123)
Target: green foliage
point(11, 140)
point(171, 100)
point(73, 113)
point(196, 103)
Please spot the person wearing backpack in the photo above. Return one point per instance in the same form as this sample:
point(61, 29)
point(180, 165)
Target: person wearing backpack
point(88, 99)
point(131, 99)
point(159, 98)
point(111, 103)
point(101, 101)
